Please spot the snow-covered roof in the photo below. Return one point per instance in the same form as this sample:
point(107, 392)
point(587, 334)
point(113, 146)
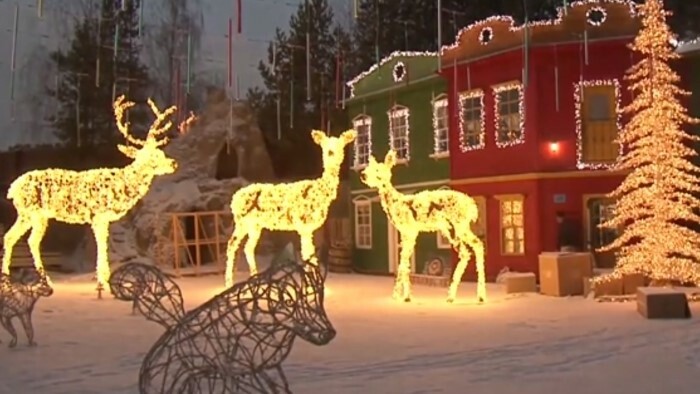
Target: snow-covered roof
point(689, 46)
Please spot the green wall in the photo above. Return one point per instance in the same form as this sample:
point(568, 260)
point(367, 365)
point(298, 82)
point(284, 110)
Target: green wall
point(375, 94)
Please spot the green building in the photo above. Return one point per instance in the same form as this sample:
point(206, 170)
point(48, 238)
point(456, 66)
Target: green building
point(399, 102)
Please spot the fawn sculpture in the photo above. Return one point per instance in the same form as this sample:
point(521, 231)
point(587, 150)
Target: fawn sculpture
point(236, 342)
point(96, 197)
point(447, 211)
point(297, 206)
point(17, 299)
point(151, 291)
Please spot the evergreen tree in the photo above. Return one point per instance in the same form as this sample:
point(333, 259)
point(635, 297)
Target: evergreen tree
point(657, 198)
point(92, 73)
point(284, 76)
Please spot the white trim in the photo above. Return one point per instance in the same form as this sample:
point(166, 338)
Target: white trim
point(441, 182)
point(441, 241)
point(358, 121)
point(361, 203)
point(396, 112)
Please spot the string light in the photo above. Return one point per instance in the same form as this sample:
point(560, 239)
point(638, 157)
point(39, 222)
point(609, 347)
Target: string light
point(579, 88)
point(561, 15)
point(486, 35)
point(395, 114)
point(590, 16)
point(464, 145)
point(363, 126)
point(376, 66)
point(399, 72)
point(185, 126)
point(440, 130)
point(659, 192)
point(296, 206)
point(520, 138)
point(96, 197)
point(448, 212)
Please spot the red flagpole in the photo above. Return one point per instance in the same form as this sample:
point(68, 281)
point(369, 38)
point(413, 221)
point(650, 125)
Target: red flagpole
point(240, 19)
point(230, 50)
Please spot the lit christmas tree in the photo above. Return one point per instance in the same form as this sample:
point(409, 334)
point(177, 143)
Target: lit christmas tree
point(656, 199)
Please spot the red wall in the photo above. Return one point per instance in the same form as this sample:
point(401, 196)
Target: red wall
point(543, 123)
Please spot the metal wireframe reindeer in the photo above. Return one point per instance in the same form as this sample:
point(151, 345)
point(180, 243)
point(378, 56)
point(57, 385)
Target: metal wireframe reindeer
point(446, 211)
point(298, 206)
point(236, 342)
point(96, 197)
point(17, 300)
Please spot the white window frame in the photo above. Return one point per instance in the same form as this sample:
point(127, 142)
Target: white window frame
point(474, 94)
point(360, 161)
point(442, 241)
point(441, 134)
point(360, 242)
point(396, 112)
point(497, 91)
point(502, 200)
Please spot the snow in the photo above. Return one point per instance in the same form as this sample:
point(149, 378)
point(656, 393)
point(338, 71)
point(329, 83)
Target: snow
point(514, 344)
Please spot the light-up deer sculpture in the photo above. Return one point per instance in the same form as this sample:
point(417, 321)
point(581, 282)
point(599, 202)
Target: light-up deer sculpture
point(297, 206)
point(446, 211)
point(96, 197)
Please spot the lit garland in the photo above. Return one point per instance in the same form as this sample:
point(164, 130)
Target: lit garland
point(396, 113)
point(579, 87)
point(589, 16)
point(446, 211)
point(561, 15)
point(296, 206)
point(497, 116)
point(358, 124)
point(463, 143)
point(185, 126)
point(486, 35)
point(398, 77)
point(440, 104)
point(659, 192)
point(96, 197)
point(376, 66)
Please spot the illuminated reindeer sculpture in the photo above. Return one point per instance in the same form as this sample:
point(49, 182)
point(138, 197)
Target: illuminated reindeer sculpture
point(96, 197)
point(446, 211)
point(297, 206)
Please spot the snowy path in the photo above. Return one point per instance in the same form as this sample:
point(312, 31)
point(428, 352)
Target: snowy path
point(526, 344)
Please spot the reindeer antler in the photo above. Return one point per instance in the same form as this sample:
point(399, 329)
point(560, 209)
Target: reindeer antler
point(120, 107)
point(184, 127)
point(157, 128)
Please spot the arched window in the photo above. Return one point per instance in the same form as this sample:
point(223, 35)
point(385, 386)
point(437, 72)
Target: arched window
point(399, 132)
point(440, 126)
point(363, 142)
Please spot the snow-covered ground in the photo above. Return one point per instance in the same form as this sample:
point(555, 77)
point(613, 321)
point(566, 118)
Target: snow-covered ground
point(514, 344)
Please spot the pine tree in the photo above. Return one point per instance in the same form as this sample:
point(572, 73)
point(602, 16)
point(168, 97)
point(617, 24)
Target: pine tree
point(294, 152)
point(656, 200)
point(92, 73)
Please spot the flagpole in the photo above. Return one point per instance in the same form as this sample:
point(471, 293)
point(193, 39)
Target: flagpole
point(439, 33)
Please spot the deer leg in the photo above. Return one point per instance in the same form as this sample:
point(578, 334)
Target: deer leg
point(464, 256)
point(7, 323)
point(478, 248)
point(26, 320)
point(18, 229)
point(100, 230)
point(39, 225)
point(234, 243)
point(402, 288)
point(250, 245)
point(308, 250)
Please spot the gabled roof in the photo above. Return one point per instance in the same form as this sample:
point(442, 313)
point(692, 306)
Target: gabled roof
point(381, 76)
point(620, 19)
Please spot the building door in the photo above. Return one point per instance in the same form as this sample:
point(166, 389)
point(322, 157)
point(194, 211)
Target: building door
point(394, 250)
point(599, 210)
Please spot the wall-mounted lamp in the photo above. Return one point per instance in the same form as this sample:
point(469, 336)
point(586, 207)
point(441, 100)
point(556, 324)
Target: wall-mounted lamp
point(554, 147)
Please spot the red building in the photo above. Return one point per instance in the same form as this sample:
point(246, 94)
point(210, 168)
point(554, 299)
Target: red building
point(534, 112)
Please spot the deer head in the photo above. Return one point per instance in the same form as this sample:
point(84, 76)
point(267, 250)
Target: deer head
point(148, 152)
point(333, 147)
point(376, 174)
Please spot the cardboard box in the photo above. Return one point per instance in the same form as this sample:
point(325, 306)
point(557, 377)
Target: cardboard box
point(610, 287)
point(521, 282)
point(561, 274)
point(631, 282)
point(662, 303)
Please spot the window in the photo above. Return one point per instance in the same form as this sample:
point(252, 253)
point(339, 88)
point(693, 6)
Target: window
point(509, 114)
point(363, 224)
point(398, 131)
point(471, 120)
point(598, 128)
point(512, 225)
point(363, 142)
point(440, 126)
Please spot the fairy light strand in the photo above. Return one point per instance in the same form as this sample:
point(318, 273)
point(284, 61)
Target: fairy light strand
point(363, 126)
point(465, 145)
point(398, 54)
point(396, 113)
point(520, 138)
point(439, 130)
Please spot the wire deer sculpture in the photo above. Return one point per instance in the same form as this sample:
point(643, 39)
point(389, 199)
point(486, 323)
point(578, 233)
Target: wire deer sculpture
point(95, 197)
point(17, 300)
point(446, 211)
point(297, 206)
